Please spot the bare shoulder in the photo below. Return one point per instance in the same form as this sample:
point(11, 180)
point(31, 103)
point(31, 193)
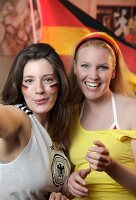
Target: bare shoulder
point(126, 108)
point(126, 102)
point(12, 120)
point(13, 113)
point(20, 116)
point(15, 131)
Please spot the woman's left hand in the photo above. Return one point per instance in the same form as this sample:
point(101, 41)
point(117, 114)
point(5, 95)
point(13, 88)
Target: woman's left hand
point(57, 196)
point(98, 156)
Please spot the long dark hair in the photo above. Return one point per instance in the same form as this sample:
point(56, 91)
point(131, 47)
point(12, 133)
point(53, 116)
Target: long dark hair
point(60, 115)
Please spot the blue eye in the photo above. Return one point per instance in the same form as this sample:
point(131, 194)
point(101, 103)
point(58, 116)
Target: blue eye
point(84, 65)
point(103, 67)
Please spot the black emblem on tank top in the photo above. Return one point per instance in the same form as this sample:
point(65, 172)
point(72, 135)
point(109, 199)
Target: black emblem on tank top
point(60, 170)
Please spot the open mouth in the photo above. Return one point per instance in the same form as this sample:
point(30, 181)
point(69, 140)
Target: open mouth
point(92, 85)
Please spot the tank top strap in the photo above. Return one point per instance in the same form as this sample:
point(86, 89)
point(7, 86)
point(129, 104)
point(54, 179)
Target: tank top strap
point(115, 124)
point(25, 109)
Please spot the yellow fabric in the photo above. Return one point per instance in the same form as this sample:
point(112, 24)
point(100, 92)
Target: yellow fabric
point(100, 185)
point(63, 39)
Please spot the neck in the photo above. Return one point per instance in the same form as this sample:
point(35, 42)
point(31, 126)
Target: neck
point(42, 118)
point(97, 103)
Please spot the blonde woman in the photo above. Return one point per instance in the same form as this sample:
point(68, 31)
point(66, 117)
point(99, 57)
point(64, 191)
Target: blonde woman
point(104, 125)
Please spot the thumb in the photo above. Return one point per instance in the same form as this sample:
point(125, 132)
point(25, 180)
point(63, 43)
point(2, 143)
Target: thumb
point(98, 143)
point(85, 172)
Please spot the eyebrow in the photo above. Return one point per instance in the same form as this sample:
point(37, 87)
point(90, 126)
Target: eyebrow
point(45, 75)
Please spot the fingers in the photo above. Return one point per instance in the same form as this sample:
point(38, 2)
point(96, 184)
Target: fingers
point(78, 190)
point(76, 183)
point(57, 196)
point(98, 156)
point(85, 172)
point(99, 148)
point(98, 143)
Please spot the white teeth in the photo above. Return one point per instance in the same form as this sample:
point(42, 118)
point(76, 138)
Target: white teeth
point(92, 84)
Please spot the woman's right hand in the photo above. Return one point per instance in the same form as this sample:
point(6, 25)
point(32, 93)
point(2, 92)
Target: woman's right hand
point(76, 183)
point(98, 157)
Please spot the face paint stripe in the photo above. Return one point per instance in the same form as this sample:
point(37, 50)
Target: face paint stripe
point(54, 85)
point(24, 86)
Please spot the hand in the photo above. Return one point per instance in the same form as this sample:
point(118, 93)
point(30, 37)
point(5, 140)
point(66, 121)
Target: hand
point(76, 183)
point(57, 196)
point(98, 157)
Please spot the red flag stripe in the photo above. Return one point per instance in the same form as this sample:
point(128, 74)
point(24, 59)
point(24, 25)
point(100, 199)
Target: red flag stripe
point(53, 13)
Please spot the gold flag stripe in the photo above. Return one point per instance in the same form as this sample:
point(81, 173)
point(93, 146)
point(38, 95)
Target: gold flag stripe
point(63, 39)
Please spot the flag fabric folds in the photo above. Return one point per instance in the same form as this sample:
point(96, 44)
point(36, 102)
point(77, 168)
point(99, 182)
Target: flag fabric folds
point(59, 26)
point(63, 25)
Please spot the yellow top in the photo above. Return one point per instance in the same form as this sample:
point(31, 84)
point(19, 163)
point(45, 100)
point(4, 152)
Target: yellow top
point(100, 185)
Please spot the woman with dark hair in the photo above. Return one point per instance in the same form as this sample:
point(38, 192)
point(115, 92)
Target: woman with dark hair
point(34, 125)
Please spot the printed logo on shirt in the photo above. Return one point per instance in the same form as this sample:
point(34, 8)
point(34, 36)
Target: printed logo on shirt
point(60, 169)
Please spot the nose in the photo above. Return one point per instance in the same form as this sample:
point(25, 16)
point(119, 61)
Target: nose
point(39, 88)
point(94, 74)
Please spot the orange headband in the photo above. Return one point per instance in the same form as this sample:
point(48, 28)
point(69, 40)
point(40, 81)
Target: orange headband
point(100, 36)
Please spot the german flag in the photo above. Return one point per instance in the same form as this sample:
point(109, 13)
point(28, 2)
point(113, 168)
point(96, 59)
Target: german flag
point(63, 25)
point(60, 27)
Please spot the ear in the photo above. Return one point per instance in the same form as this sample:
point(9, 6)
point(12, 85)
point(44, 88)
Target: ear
point(113, 74)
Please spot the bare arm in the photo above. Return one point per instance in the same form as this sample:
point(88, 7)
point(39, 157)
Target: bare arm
point(11, 120)
point(124, 176)
point(101, 161)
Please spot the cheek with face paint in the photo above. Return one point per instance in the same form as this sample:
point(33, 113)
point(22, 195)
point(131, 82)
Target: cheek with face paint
point(53, 88)
point(26, 88)
point(54, 85)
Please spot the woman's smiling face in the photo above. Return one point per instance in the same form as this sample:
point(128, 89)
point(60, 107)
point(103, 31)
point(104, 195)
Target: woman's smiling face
point(39, 86)
point(94, 68)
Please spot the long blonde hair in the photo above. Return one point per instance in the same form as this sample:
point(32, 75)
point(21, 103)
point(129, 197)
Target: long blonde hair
point(101, 40)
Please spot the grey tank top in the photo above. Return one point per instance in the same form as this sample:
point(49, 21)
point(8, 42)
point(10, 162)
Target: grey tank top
point(37, 171)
